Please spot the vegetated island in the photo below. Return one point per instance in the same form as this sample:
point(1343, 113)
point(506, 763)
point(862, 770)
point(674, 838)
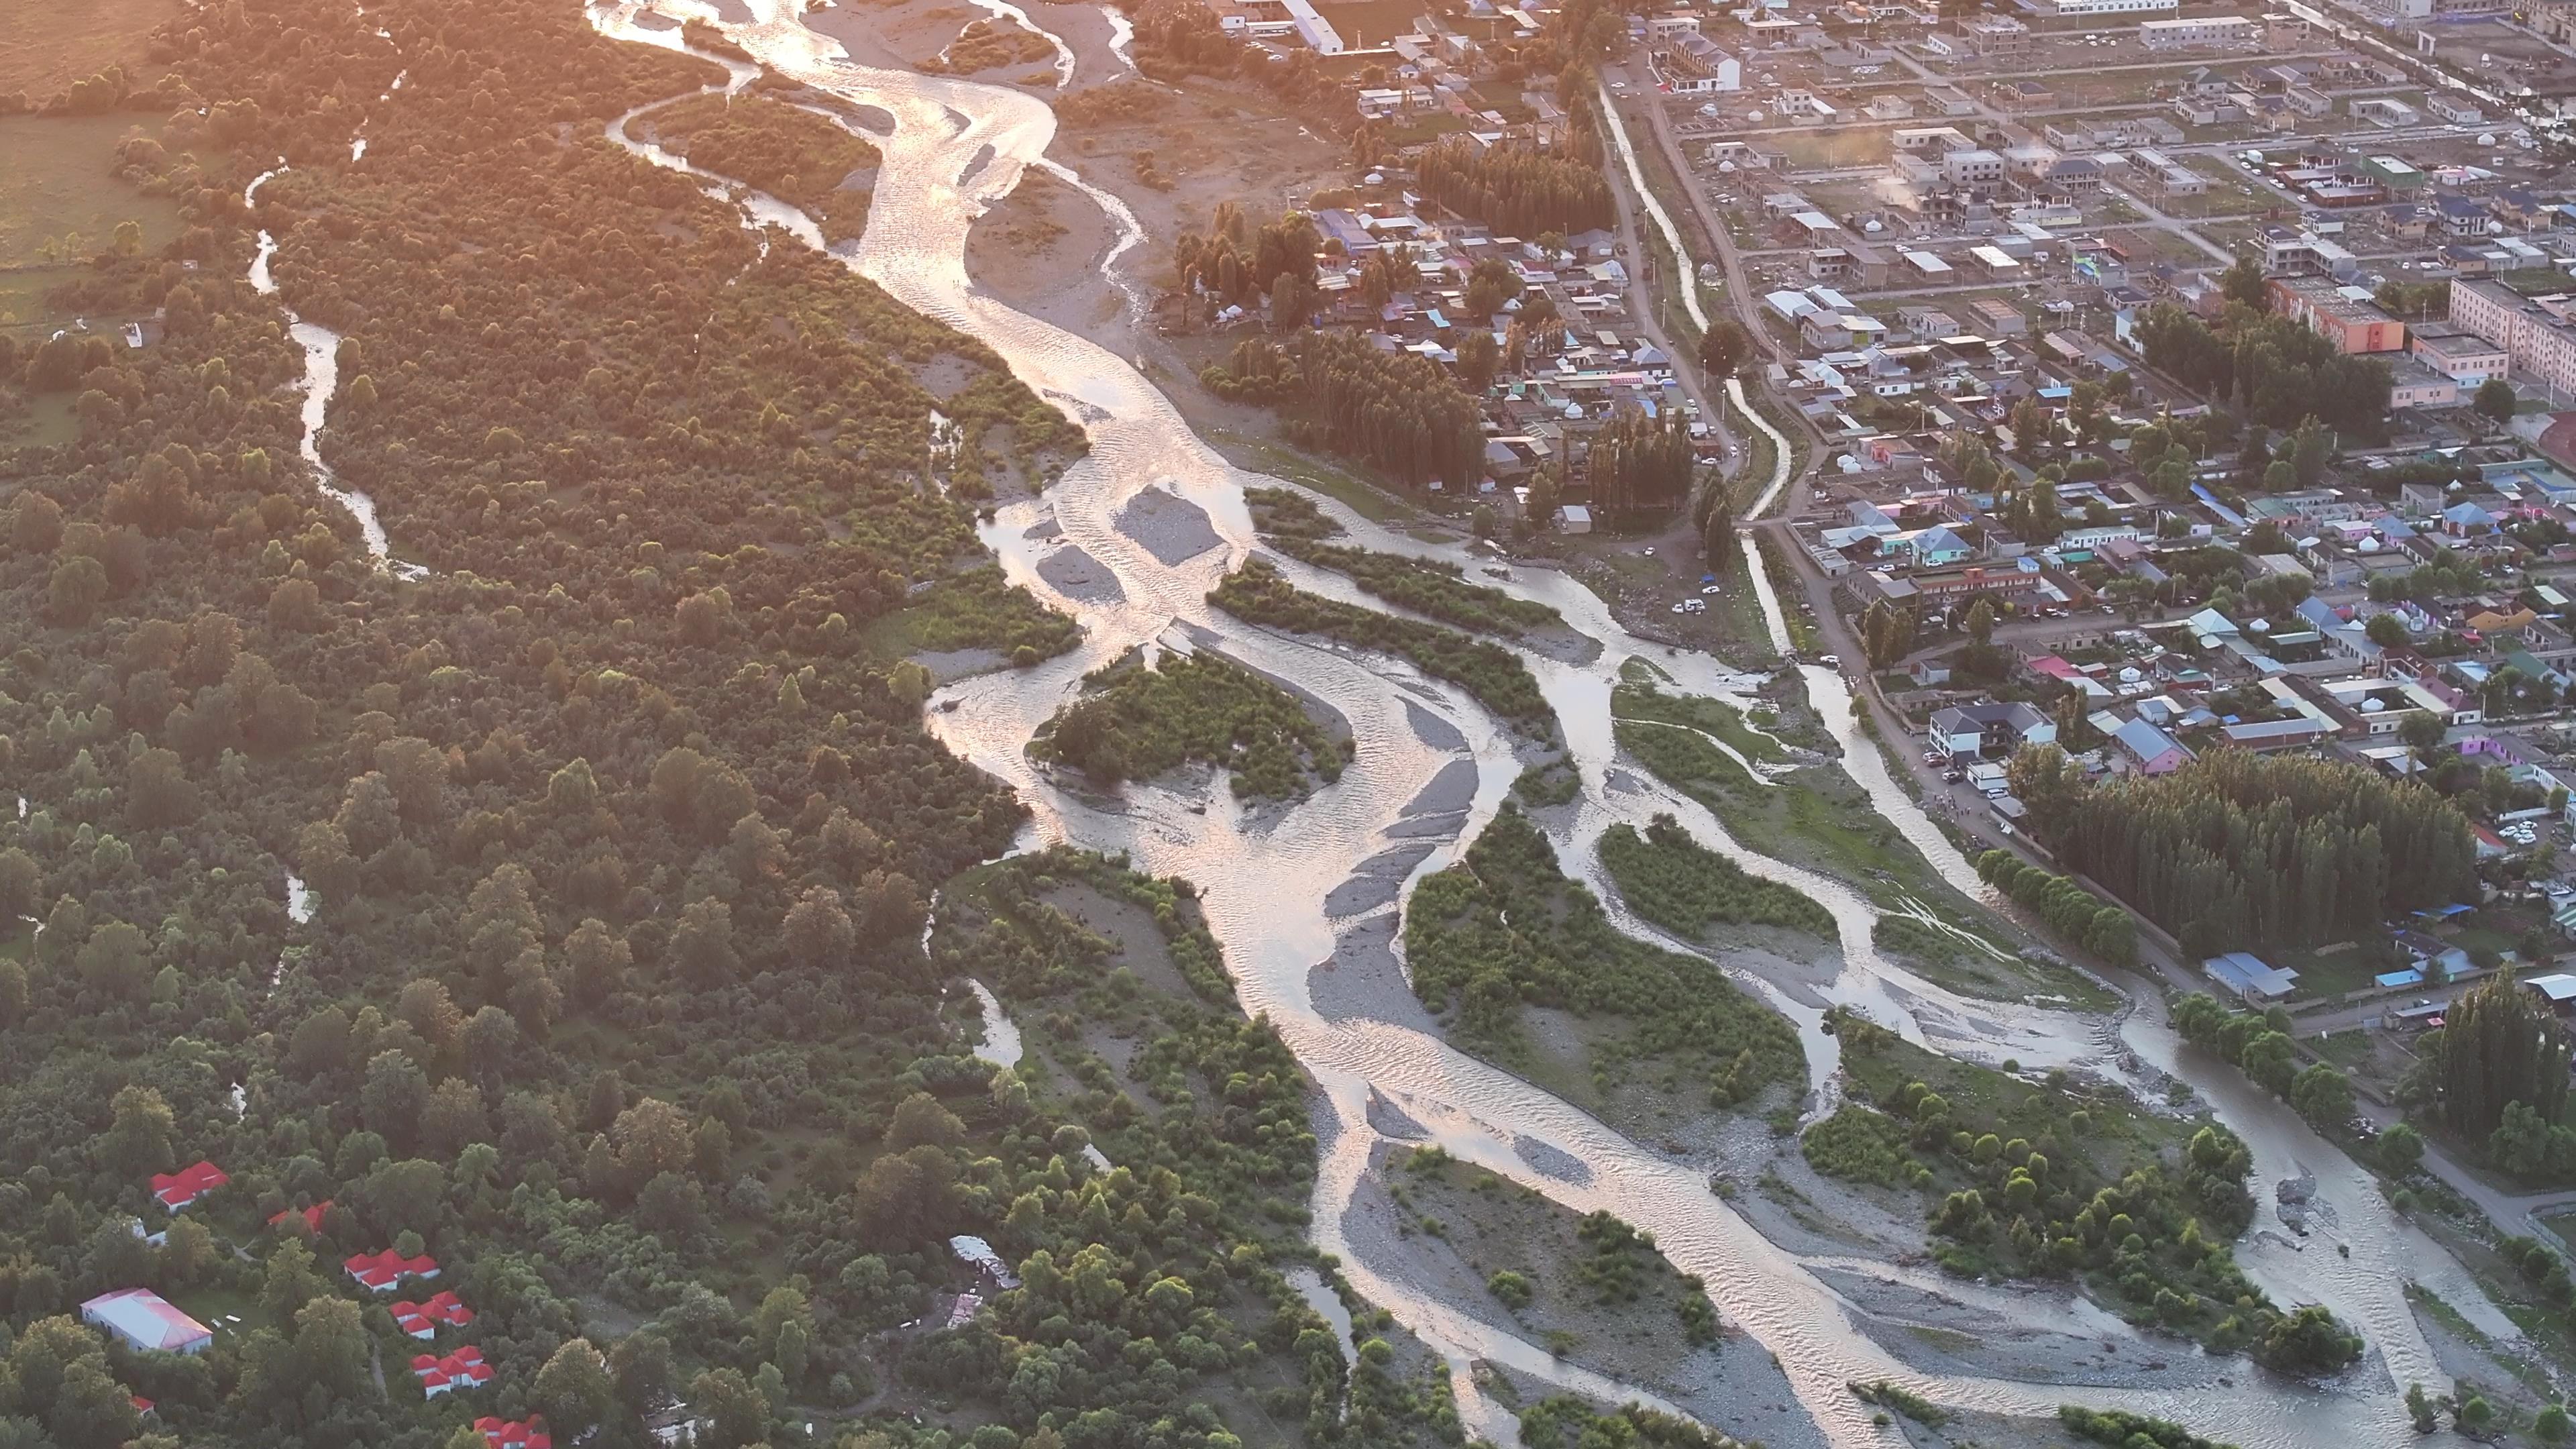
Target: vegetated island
point(1292, 524)
point(1136, 720)
point(1525, 967)
point(2050, 1180)
point(1257, 593)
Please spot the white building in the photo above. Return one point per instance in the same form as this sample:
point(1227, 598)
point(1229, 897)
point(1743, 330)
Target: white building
point(147, 1321)
point(2073, 9)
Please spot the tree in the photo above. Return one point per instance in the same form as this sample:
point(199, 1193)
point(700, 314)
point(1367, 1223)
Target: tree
point(158, 791)
point(574, 1390)
point(2496, 401)
point(117, 963)
point(641, 1370)
point(2499, 1048)
point(1724, 347)
point(1981, 622)
point(2387, 631)
point(2401, 1148)
point(2310, 447)
point(734, 1415)
point(140, 1134)
point(2323, 1095)
point(597, 962)
point(702, 946)
point(331, 1346)
point(652, 1137)
point(407, 1197)
point(2243, 282)
point(288, 1282)
point(1717, 536)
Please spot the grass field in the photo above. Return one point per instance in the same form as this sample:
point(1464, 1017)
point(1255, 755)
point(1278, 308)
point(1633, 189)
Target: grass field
point(57, 185)
point(45, 45)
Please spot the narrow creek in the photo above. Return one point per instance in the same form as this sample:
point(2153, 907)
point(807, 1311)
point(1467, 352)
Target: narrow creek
point(1266, 877)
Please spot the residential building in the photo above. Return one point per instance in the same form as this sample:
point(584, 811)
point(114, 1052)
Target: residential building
point(2534, 333)
point(2147, 750)
point(147, 1321)
point(2199, 32)
point(1696, 65)
point(2252, 980)
point(1974, 730)
point(2080, 9)
point(175, 1190)
point(2463, 357)
point(2354, 324)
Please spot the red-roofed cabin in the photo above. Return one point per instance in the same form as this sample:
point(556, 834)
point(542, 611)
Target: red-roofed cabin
point(312, 1216)
point(176, 1190)
point(423, 1320)
point(463, 1369)
point(515, 1434)
point(142, 1405)
point(383, 1272)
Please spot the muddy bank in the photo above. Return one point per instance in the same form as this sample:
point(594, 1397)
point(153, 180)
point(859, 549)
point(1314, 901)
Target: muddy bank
point(1040, 250)
point(1377, 881)
point(1362, 981)
point(1448, 1231)
point(2029, 1335)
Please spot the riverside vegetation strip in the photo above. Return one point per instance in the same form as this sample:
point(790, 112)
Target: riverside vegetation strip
point(1292, 524)
point(1504, 931)
point(1683, 886)
point(1258, 594)
point(1137, 720)
point(801, 158)
point(1153, 1309)
point(2047, 1181)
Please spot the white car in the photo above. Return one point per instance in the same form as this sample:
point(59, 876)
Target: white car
point(1708, 589)
point(1681, 608)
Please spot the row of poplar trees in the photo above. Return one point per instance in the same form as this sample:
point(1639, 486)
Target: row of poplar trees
point(1516, 189)
point(1393, 409)
point(2240, 850)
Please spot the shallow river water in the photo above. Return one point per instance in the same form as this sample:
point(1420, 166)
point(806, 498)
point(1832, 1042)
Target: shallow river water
point(958, 146)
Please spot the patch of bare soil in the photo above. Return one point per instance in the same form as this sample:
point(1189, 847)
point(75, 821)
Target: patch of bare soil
point(1039, 249)
point(1141, 947)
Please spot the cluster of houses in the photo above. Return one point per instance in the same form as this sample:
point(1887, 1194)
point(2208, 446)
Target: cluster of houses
point(1571, 357)
point(145, 1321)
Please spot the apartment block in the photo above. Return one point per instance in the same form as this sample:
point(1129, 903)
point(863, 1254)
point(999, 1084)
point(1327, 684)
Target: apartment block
point(2533, 332)
point(2352, 323)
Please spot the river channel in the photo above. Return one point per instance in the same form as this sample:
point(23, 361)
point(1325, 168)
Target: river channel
point(1266, 876)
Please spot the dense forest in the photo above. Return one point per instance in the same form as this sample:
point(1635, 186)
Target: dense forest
point(1504, 929)
point(1516, 190)
point(618, 824)
point(1136, 720)
point(2242, 850)
point(2051, 1181)
point(1292, 524)
point(1393, 410)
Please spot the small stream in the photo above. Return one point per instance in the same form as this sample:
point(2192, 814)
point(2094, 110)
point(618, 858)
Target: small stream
point(320, 385)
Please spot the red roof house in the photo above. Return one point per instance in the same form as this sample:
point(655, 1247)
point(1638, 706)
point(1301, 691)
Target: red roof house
point(382, 1272)
point(312, 1216)
point(463, 1369)
point(178, 1189)
point(528, 1433)
point(423, 1320)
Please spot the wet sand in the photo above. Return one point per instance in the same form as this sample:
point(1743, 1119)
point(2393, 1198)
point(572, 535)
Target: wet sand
point(1080, 577)
point(1732, 1385)
point(1171, 528)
